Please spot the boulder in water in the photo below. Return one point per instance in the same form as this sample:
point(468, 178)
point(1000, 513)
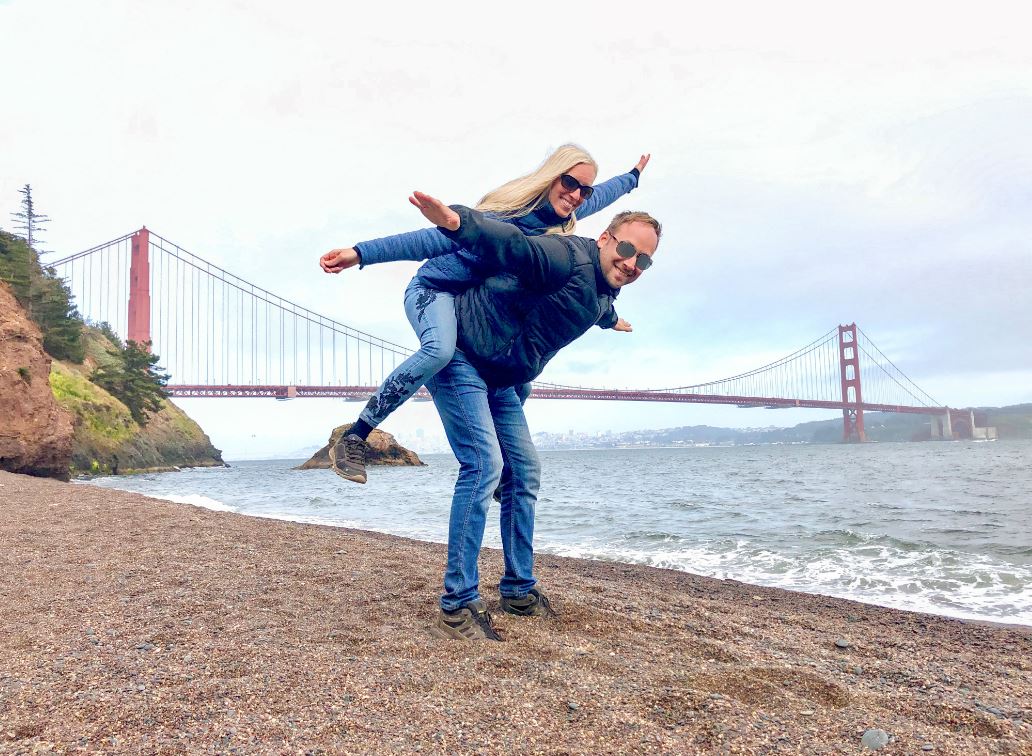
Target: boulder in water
point(383, 450)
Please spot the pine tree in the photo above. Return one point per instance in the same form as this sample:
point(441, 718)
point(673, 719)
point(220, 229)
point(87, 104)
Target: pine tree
point(28, 220)
point(44, 296)
point(135, 380)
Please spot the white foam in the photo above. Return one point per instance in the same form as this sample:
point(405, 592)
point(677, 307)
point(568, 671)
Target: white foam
point(196, 500)
point(966, 586)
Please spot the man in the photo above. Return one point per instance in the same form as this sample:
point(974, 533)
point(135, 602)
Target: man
point(549, 291)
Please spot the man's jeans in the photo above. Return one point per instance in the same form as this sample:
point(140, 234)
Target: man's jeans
point(488, 432)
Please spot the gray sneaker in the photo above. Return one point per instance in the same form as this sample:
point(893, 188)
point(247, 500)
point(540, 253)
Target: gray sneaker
point(470, 623)
point(534, 604)
point(348, 458)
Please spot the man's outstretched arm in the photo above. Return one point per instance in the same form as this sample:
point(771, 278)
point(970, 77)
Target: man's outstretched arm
point(540, 262)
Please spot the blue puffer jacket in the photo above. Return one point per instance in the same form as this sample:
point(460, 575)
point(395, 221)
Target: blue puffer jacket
point(453, 268)
point(550, 292)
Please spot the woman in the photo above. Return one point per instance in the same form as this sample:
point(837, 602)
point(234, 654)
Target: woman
point(548, 200)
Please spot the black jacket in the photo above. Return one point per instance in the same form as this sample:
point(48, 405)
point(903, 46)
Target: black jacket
point(545, 291)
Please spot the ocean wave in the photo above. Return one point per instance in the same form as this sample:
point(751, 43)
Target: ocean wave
point(936, 582)
point(197, 500)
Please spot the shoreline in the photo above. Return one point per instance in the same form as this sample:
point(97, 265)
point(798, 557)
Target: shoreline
point(541, 553)
point(555, 550)
point(193, 629)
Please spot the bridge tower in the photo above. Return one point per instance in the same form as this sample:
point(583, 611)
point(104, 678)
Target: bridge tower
point(849, 361)
point(139, 288)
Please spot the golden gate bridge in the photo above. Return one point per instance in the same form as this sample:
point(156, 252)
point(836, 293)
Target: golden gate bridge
point(221, 336)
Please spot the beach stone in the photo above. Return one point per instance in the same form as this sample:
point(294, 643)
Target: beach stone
point(994, 710)
point(874, 739)
point(572, 705)
point(843, 643)
point(927, 747)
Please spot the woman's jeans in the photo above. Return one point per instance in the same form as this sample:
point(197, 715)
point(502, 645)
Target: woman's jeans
point(488, 432)
point(432, 315)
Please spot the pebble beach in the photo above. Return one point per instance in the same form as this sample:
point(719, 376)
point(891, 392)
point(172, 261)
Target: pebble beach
point(133, 625)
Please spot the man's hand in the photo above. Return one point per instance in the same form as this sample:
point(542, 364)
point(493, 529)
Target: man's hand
point(643, 162)
point(435, 211)
point(337, 260)
point(621, 324)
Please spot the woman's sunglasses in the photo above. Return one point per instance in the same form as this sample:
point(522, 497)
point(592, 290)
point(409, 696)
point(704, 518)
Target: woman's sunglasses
point(626, 250)
point(570, 184)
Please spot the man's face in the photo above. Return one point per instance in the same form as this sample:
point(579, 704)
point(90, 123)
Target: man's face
point(620, 271)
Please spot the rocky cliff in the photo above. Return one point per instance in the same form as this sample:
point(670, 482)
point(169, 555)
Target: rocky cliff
point(35, 432)
point(383, 450)
point(107, 440)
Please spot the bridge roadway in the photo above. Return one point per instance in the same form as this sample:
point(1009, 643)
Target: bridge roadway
point(362, 393)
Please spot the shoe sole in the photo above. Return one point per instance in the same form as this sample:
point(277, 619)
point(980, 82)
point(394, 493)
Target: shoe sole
point(539, 615)
point(443, 635)
point(341, 473)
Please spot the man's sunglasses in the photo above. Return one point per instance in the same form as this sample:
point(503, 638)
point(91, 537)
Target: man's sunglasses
point(570, 184)
point(626, 250)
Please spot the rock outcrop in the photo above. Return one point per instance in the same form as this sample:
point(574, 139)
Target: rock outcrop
point(106, 439)
point(35, 432)
point(383, 450)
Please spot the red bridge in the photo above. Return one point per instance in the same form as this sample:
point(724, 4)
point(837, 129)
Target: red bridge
point(221, 336)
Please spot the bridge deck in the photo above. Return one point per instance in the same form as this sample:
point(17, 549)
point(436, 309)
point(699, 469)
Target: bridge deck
point(361, 393)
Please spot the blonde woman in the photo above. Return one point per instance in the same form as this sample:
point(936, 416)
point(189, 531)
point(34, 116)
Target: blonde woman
point(547, 201)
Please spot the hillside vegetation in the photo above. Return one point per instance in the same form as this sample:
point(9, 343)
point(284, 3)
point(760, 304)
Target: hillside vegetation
point(106, 438)
point(109, 435)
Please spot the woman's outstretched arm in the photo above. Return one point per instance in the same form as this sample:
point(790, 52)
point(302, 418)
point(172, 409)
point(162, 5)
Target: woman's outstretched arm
point(610, 191)
point(423, 244)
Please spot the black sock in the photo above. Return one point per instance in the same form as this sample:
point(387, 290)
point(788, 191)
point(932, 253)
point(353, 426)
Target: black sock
point(361, 428)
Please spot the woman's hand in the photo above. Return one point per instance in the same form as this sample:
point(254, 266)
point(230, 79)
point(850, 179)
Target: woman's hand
point(621, 324)
point(435, 211)
point(643, 162)
point(337, 260)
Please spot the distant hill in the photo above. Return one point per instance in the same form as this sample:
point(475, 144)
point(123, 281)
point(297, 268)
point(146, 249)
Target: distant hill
point(1011, 422)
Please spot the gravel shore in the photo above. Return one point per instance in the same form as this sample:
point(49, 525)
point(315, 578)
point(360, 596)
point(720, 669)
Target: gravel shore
point(129, 624)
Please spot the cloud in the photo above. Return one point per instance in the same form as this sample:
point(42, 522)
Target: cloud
point(809, 170)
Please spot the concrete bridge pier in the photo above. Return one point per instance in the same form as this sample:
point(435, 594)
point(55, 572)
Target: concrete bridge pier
point(942, 427)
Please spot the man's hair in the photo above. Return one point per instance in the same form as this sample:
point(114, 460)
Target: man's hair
point(634, 216)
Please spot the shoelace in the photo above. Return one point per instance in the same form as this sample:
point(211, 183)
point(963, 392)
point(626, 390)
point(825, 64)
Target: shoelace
point(545, 602)
point(354, 452)
point(483, 618)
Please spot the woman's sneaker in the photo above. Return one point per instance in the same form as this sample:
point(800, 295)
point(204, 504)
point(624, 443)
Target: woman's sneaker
point(534, 604)
point(348, 458)
point(471, 622)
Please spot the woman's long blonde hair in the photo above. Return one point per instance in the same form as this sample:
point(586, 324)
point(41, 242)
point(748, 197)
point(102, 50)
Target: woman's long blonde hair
point(527, 193)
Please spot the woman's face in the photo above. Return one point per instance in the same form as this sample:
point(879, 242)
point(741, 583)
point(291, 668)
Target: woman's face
point(565, 201)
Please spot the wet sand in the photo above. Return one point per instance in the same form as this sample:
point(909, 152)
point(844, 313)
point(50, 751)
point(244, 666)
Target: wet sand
point(133, 625)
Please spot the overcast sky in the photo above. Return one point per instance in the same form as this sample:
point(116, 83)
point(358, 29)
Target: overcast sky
point(811, 167)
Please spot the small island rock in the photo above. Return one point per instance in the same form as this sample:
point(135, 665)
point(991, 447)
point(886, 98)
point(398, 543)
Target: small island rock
point(383, 450)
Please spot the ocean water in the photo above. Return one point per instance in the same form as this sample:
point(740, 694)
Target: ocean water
point(944, 528)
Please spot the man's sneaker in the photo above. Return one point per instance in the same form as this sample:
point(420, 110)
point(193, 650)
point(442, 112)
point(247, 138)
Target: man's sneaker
point(534, 604)
point(471, 622)
point(348, 456)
